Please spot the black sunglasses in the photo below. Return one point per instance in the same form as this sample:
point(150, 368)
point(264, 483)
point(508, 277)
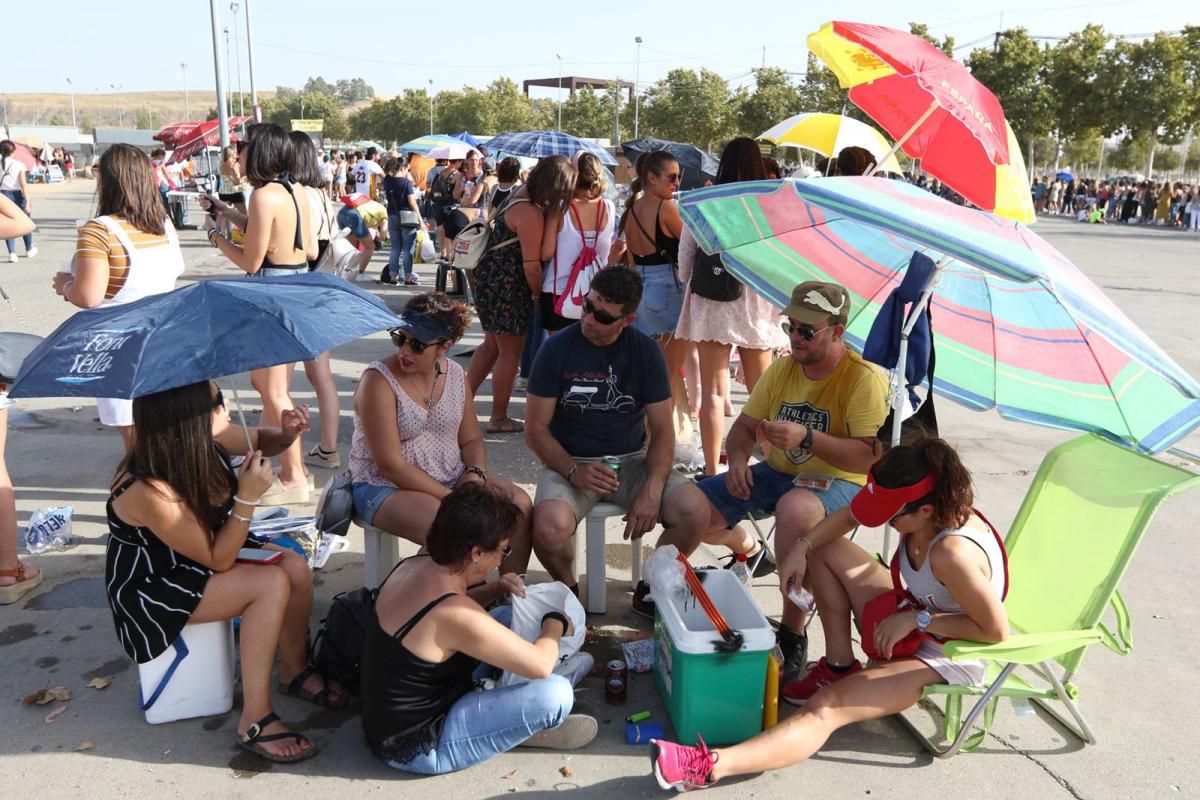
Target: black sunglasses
point(805, 332)
point(418, 347)
point(219, 399)
point(603, 317)
point(507, 551)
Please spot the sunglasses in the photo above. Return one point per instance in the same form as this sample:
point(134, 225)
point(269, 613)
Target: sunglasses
point(219, 399)
point(673, 177)
point(399, 339)
point(805, 332)
point(603, 317)
point(507, 551)
point(903, 512)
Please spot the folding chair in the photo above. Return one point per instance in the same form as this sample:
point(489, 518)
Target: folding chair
point(1079, 525)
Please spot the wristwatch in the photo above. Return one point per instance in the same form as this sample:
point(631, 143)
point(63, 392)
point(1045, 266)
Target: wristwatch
point(806, 442)
point(923, 619)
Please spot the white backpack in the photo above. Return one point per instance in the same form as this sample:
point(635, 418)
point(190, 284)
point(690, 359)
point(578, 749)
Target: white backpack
point(472, 242)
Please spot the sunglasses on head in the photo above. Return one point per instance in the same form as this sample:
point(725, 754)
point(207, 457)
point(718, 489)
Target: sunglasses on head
point(805, 332)
point(219, 399)
point(603, 317)
point(399, 339)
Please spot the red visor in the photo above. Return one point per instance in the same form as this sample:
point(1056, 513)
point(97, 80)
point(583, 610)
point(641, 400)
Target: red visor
point(875, 505)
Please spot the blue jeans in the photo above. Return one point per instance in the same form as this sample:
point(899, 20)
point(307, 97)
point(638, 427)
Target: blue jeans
point(535, 335)
point(18, 198)
point(403, 238)
point(769, 486)
point(484, 724)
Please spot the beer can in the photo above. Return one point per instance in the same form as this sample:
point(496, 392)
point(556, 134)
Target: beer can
point(612, 462)
point(616, 680)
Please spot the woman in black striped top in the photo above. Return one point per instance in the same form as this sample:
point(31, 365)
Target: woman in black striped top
point(177, 517)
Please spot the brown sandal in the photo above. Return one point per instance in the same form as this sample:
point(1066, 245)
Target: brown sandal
point(323, 698)
point(253, 738)
point(15, 591)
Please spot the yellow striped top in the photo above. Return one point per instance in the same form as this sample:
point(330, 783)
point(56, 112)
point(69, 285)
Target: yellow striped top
point(97, 241)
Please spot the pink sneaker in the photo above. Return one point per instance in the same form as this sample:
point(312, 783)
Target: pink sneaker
point(798, 692)
point(680, 767)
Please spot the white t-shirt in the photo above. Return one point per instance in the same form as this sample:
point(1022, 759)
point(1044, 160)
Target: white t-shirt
point(570, 245)
point(326, 172)
point(363, 171)
point(10, 179)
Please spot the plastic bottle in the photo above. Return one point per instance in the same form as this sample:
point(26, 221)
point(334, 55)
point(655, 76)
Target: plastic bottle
point(741, 569)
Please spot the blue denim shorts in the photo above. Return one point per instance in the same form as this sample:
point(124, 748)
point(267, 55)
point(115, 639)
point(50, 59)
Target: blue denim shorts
point(769, 486)
point(662, 300)
point(368, 498)
point(347, 217)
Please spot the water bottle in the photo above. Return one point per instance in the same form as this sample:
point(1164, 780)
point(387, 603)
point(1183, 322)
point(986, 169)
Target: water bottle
point(741, 569)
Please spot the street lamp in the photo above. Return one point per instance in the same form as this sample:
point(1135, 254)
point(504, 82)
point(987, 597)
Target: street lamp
point(637, 70)
point(431, 106)
point(556, 55)
point(233, 8)
point(187, 112)
point(117, 87)
point(74, 124)
point(250, 60)
point(228, 81)
point(222, 119)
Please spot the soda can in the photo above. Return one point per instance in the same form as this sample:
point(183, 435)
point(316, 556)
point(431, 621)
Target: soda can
point(616, 680)
point(612, 462)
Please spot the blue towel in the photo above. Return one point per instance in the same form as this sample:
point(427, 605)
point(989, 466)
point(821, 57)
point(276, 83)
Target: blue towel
point(883, 343)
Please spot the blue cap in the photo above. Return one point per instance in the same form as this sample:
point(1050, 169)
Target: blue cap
point(422, 327)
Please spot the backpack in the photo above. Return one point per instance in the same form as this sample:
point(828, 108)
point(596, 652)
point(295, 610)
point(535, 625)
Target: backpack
point(569, 304)
point(712, 281)
point(338, 648)
point(474, 241)
point(440, 192)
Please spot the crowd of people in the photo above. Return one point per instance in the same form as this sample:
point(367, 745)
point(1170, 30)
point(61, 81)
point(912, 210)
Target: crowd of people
point(626, 299)
point(1126, 200)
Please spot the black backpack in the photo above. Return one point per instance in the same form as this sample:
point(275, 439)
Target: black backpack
point(712, 281)
point(338, 649)
point(440, 192)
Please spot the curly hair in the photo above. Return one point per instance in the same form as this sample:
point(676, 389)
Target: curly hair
point(446, 310)
point(952, 499)
point(470, 516)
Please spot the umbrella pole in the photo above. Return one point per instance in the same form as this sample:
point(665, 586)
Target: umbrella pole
point(908, 134)
point(899, 395)
point(237, 401)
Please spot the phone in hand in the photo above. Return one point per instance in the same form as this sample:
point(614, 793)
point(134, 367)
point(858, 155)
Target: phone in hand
point(250, 555)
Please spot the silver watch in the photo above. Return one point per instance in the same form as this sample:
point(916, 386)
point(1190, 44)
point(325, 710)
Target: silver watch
point(923, 619)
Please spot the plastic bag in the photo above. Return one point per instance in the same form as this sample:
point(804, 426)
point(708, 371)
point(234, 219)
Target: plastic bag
point(528, 611)
point(664, 572)
point(49, 529)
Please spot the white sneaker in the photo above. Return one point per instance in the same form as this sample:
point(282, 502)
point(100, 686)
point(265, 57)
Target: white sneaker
point(520, 384)
point(12, 258)
point(363, 277)
point(576, 667)
point(32, 252)
point(576, 731)
point(316, 457)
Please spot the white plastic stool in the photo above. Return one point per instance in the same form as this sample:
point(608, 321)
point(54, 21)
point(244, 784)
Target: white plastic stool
point(191, 678)
point(381, 551)
point(594, 525)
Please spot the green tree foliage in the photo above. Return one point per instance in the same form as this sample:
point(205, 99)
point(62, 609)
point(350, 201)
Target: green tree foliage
point(1156, 98)
point(308, 105)
point(689, 106)
point(946, 45)
point(318, 85)
point(353, 90)
point(400, 119)
point(774, 99)
point(588, 114)
point(821, 93)
point(86, 125)
point(1014, 69)
point(1084, 78)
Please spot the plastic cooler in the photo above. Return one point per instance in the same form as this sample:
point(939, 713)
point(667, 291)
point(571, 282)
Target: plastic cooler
point(191, 678)
point(716, 695)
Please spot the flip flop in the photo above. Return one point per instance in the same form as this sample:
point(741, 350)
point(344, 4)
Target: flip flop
point(506, 425)
point(323, 698)
point(24, 584)
point(253, 738)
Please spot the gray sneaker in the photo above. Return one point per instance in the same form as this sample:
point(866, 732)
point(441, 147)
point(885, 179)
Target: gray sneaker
point(576, 731)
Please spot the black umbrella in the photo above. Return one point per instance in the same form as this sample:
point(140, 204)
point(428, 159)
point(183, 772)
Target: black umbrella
point(697, 165)
point(13, 349)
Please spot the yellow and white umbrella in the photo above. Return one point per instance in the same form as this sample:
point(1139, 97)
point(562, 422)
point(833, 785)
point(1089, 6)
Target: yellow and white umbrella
point(828, 134)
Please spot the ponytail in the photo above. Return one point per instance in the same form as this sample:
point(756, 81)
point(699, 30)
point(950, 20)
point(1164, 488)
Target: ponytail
point(952, 498)
point(647, 163)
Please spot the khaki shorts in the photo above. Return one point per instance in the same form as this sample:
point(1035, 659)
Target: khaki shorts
point(553, 486)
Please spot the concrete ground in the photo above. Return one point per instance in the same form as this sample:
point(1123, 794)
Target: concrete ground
point(62, 634)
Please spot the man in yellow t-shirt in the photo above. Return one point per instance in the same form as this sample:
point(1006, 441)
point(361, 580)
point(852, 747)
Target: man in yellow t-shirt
point(817, 411)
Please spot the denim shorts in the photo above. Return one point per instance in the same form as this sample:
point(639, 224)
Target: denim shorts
point(769, 486)
point(662, 300)
point(279, 272)
point(368, 498)
point(347, 217)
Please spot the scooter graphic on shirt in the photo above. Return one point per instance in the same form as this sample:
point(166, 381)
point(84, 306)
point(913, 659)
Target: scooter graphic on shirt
point(585, 397)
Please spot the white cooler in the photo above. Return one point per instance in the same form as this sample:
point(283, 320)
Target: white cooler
point(193, 677)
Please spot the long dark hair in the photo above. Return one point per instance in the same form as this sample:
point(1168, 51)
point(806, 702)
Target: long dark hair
point(127, 188)
point(741, 160)
point(305, 169)
point(269, 154)
point(7, 148)
point(647, 164)
point(173, 445)
point(952, 499)
point(551, 185)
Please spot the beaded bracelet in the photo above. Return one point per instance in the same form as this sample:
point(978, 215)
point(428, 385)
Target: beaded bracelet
point(244, 501)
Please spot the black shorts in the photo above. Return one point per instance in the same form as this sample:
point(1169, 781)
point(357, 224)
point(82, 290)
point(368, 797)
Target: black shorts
point(551, 321)
point(454, 224)
point(442, 213)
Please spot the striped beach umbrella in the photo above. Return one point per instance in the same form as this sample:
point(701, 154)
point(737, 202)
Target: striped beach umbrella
point(1019, 327)
point(540, 144)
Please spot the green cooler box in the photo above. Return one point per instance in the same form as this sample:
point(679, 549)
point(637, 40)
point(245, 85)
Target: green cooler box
point(716, 695)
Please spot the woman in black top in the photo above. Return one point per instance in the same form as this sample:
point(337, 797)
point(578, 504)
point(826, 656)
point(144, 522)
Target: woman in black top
point(177, 517)
point(423, 653)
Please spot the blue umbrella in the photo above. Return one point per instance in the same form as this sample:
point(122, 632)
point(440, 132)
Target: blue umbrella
point(467, 138)
point(206, 330)
point(1065, 176)
point(539, 144)
point(696, 164)
point(423, 144)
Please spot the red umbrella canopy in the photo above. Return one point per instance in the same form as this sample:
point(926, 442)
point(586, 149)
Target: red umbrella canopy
point(207, 135)
point(177, 132)
point(26, 156)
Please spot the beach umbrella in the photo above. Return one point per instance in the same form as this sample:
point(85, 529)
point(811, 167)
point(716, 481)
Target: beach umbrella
point(177, 132)
point(468, 138)
point(423, 144)
point(697, 165)
point(935, 110)
point(1019, 327)
point(22, 153)
point(206, 136)
point(829, 134)
point(451, 152)
point(540, 144)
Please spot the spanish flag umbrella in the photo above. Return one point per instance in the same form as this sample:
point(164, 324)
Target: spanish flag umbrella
point(934, 108)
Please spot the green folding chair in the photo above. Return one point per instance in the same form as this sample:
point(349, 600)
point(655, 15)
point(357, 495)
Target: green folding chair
point(1081, 521)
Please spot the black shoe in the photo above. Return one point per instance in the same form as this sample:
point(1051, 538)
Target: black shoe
point(762, 566)
point(642, 604)
point(795, 655)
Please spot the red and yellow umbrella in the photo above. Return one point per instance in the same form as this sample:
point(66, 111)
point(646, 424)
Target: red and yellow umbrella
point(934, 108)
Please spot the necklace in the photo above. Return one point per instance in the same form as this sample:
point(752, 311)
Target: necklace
point(437, 373)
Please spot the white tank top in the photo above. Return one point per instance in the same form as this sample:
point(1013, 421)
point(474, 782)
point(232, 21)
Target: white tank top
point(929, 590)
point(570, 245)
point(152, 270)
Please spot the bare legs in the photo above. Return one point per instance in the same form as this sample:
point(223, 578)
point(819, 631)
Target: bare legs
point(714, 392)
point(272, 386)
point(321, 377)
point(500, 355)
point(8, 514)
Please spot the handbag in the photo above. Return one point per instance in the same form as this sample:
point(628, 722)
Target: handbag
point(335, 509)
point(409, 218)
point(569, 304)
point(712, 281)
point(474, 241)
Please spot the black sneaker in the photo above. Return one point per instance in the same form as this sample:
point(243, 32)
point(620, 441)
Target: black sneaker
point(762, 566)
point(795, 654)
point(642, 604)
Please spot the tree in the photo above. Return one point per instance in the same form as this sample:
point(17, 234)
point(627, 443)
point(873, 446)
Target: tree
point(86, 125)
point(1084, 79)
point(588, 114)
point(57, 119)
point(318, 85)
point(1155, 99)
point(1014, 69)
point(774, 99)
point(821, 93)
point(946, 45)
point(688, 106)
point(353, 90)
point(308, 105)
point(400, 119)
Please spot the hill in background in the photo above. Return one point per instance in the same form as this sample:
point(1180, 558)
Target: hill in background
point(137, 109)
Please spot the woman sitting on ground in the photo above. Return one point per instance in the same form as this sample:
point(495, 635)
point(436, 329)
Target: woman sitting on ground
point(416, 435)
point(431, 641)
point(949, 558)
point(177, 517)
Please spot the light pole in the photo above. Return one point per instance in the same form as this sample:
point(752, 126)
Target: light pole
point(228, 79)
point(250, 60)
point(74, 124)
point(233, 9)
point(637, 71)
point(617, 113)
point(222, 118)
point(556, 55)
point(187, 111)
point(431, 106)
point(117, 87)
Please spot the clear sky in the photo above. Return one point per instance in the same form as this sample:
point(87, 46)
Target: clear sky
point(139, 45)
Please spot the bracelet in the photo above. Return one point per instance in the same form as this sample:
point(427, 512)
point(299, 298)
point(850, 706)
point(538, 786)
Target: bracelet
point(806, 542)
point(237, 516)
point(475, 470)
point(244, 501)
point(571, 471)
point(807, 442)
point(557, 615)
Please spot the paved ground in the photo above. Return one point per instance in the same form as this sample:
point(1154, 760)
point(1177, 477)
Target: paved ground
point(62, 635)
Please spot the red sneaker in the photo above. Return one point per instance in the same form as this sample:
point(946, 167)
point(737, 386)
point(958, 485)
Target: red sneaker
point(680, 767)
point(798, 691)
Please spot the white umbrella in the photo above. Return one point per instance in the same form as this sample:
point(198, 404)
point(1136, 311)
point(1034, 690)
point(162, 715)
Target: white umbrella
point(829, 134)
point(451, 152)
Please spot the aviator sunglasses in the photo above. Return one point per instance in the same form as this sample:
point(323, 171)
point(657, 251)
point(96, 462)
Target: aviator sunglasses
point(603, 317)
point(399, 339)
point(805, 332)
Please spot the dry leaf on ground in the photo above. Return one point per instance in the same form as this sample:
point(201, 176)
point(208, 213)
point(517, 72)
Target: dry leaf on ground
point(99, 683)
point(566, 772)
point(43, 696)
point(510, 776)
point(55, 714)
point(79, 748)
